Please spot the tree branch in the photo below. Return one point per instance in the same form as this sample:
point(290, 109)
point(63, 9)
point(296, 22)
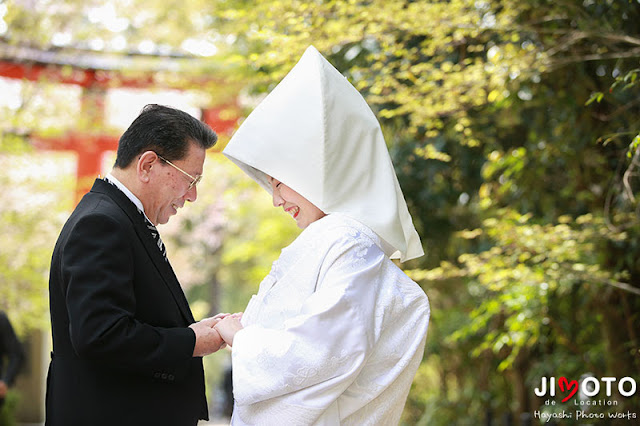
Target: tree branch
point(628, 174)
point(623, 286)
point(634, 53)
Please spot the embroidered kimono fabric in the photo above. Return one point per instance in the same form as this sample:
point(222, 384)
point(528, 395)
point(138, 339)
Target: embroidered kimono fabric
point(333, 337)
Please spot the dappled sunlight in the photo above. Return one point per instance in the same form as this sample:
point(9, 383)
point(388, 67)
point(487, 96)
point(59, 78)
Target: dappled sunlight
point(36, 199)
point(512, 125)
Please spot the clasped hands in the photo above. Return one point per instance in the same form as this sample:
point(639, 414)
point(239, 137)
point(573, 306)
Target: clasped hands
point(215, 332)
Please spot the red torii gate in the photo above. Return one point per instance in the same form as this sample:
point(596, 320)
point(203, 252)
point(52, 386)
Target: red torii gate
point(88, 145)
point(95, 75)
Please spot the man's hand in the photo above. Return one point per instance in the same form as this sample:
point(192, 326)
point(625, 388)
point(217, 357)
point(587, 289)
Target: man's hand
point(3, 389)
point(208, 339)
point(228, 327)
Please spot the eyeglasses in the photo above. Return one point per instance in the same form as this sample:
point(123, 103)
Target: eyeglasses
point(194, 180)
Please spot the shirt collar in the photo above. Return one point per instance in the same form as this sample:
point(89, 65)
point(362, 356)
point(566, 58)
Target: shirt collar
point(135, 200)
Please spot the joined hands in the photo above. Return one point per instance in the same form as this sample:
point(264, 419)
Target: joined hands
point(215, 332)
point(228, 326)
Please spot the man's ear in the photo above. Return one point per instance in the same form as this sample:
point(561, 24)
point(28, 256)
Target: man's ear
point(147, 160)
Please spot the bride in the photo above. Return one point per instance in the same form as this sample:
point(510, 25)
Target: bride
point(337, 331)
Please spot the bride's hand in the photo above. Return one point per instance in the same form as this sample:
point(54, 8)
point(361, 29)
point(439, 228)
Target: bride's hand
point(219, 316)
point(228, 327)
point(211, 321)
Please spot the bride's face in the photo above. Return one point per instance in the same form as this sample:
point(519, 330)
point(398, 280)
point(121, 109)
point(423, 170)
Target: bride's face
point(301, 209)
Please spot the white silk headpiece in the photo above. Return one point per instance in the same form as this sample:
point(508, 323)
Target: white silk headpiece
point(316, 134)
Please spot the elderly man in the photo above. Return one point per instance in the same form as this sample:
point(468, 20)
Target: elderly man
point(126, 349)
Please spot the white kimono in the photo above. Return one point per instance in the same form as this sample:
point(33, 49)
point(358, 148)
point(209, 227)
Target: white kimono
point(337, 331)
point(333, 337)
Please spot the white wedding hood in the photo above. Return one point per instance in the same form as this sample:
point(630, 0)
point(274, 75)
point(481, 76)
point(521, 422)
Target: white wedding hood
point(316, 134)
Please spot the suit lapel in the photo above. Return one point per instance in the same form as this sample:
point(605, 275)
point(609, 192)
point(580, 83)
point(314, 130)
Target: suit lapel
point(150, 245)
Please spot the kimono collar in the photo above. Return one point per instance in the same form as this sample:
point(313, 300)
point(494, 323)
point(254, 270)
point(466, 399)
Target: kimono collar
point(315, 133)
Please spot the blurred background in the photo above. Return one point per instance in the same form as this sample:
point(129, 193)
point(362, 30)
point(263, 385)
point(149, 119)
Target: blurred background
point(514, 127)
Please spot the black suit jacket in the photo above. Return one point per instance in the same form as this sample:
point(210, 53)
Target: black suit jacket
point(122, 349)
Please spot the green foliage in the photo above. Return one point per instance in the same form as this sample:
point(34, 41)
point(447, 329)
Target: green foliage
point(527, 265)
point(633, 147)
point(7, 412)
point(483, 104)
point(514, 128)
point(35, 200)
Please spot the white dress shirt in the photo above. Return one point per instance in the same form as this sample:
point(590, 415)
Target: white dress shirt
point(135, 200)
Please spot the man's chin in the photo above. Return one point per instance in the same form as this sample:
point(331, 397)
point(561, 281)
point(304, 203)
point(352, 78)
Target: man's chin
point(162, 221)
point(165, 219)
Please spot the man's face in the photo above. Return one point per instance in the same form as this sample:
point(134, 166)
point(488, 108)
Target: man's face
point(170, 188)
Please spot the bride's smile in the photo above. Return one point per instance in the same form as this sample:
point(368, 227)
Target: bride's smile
point(302, 210)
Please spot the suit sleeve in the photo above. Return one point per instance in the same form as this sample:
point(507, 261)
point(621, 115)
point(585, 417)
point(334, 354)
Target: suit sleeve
point(98, 273)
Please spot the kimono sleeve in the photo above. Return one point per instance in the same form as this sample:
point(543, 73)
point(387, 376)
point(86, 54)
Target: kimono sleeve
point(318, 353)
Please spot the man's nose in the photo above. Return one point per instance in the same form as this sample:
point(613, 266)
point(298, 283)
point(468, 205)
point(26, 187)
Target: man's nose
point(192, 194)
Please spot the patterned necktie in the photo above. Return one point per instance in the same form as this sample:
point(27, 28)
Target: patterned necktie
point(150, 226)
point(156, 235)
